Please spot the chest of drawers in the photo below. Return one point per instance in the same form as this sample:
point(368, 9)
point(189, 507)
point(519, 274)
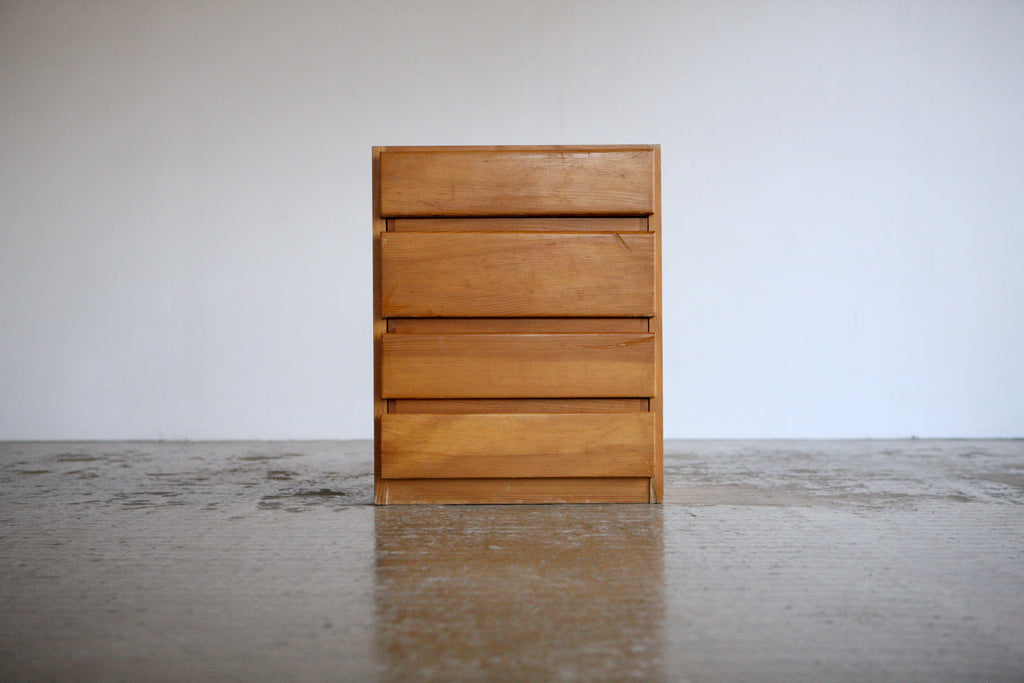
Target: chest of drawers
point(517, 324)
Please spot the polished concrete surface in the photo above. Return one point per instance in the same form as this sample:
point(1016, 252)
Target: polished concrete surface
point(770, 561)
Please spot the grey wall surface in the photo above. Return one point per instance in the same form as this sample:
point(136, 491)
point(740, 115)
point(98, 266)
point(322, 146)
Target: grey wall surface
point(185, 202)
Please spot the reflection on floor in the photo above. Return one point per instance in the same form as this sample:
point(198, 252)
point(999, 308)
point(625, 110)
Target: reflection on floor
point(544, 592)
point(806, 560)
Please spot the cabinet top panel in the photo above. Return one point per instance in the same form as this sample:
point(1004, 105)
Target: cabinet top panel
point(515, 148)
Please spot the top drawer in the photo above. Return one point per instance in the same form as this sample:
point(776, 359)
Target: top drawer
point(517, 182)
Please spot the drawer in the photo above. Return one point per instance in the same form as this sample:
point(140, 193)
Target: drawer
point(517, 365)
point(467, 274)
point(528, 445)
point(518, 325)
point(552, 182)
point(516, 490)
point(518, 405)
point(511, 224)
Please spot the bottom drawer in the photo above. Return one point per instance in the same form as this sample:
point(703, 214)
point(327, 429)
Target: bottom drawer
point(487, 446)
point(498, 491)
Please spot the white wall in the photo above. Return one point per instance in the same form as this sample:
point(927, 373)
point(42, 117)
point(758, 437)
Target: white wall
point(185, 202)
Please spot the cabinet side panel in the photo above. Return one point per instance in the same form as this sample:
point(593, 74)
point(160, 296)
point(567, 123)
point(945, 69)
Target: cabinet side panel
point(657, 401)
point(379, 328)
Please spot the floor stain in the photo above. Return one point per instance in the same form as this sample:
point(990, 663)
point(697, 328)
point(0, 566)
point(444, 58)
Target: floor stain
point(258, 457)
point(76, 457)
point(320, 493)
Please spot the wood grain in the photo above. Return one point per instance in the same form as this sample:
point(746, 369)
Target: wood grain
point(529, 445)
point(517, 366)
point(503, 491)
point(518, 405)
point(533, 224)
point(517, 274)
point(517, 325)
point(539, 182)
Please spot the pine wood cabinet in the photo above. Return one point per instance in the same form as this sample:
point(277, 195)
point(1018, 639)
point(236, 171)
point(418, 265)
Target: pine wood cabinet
point(517, 324)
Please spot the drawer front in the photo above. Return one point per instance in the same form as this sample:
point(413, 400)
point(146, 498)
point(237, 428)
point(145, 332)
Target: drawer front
point(517, 274)
point(517, 365)
point(518, 490)
point(535, 224)
point(517, 183)
point(491, 446)
point(518, 405)
point(518, 325)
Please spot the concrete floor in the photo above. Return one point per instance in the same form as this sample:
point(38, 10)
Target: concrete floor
point(770, 561)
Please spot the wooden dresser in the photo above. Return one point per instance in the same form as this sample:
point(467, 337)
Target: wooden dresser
point(517, 324)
